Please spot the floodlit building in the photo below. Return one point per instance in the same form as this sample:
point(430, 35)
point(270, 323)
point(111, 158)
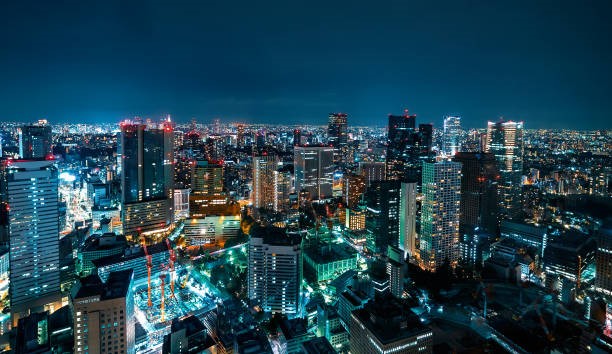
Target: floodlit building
point(451, 135)
point(314, 170)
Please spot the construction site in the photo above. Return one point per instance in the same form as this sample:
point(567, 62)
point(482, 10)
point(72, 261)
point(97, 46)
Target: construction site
point(170, 291)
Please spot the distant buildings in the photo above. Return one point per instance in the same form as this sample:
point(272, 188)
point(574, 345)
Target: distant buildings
point(314, 171)
point(104, 314)
point(337, 136)
point(451, 135)
point(505, 141)
point(31, 227)
point(147, 179)
point(275, 270)
point(440, 213)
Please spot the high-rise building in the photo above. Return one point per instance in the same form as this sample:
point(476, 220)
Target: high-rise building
point(35, 141)
point(104, 314)
point(408, 215)
point(314, 170)
point(207, 178)
point(440, 213)
point(385, 326)
point(283, 182)
point(337, 136)
point(395, 271)
point(147, 178)
point(275, 270)
point(401, 144)
point(479, 180)
point(383, 215)
point(372, 171)
point(603, 259)
point(30, 224)
point(505, 141)
point(297, 137)
point(354, 187)
point(451, 135)
point(265, 165)
point(425, 140)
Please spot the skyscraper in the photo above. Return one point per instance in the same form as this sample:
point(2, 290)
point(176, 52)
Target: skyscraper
point(282, 188)
point(395, 271)
point(505, 141)
point(337, 135)
point(275, 270)
point(207, 178)
point(264, 167)
point(147, 178)
point(401, 141)
point(314, 170)
point(408, 215)
point(440, 213)
point(425, 138)
point(354, 187)
point(104, 314)
point(35, 141)
point(383, 215)
point(30, 219)
point(451, 135)
point(372, 171)
point(603, 259)
point(479, 180)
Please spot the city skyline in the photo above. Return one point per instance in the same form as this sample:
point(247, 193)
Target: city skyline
point(523, 61)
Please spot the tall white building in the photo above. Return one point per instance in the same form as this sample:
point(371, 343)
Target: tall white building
point(275, 270)
point(451, 136)
point(314, 170)
point(30, 201)
point(408, 214)
point(440, 213)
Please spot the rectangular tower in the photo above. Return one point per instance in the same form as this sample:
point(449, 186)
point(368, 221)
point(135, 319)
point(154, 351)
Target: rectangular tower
point(440, 213)
point(337, 136)
point(35, 141)
point(505, 141)
point(30, 218)
point(314, 170)
point(451, 135)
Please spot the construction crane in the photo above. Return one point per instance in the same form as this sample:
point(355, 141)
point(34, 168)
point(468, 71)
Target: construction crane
point(149, 267)
point(535, 306)
point(162, 278)
point(171, 263)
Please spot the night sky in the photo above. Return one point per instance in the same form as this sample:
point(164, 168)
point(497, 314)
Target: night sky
point(545, 62)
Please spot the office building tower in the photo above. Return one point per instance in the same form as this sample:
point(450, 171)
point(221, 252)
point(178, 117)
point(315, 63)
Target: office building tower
point(337, 136)
point(207, 178)
point(147, 179)
point(354, 187)
point(479, 181)
point(104, 320)
point(603, 259)
point(35, 141)
point(383, 215)
point(401, 146)
point(451, 135)
point(30, 218)
point(275, 270)
point(395, 271)
point(372, 171)
point(283, 182)
point(440, 213)
point(385, 326)
point(408, 215)
point(314, 170)
point(260, 139)
point(566, 259)
point(297, 137)
point(265, 166)
point(425, 138)
point(505, 141)
point(188, 335)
